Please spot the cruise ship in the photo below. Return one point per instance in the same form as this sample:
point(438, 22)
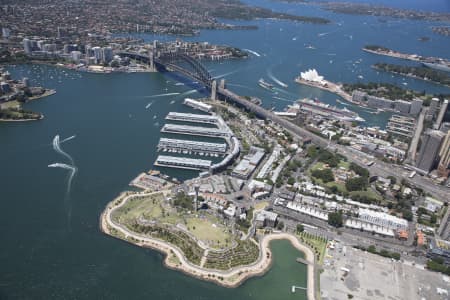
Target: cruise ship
point(265, 84)
point(440, 66)
point(325, 110)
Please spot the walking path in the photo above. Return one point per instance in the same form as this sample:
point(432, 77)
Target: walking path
point(175, 258)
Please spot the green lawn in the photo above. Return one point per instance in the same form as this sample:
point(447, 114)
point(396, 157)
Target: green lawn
point(207, 228)
point(344, 164)
point(149, 207)
point(317, 244)
point(210, 231)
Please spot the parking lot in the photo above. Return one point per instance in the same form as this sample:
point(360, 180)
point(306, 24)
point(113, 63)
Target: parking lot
point(350, 272)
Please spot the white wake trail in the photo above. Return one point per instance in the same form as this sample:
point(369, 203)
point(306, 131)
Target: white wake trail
point(162, 95)
point(72, 170)
point(225, 74)
point(57, 148)
point(252, 52)
point(68, 139)
point(279, 82)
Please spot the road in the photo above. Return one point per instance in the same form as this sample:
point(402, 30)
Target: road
point(380, 168)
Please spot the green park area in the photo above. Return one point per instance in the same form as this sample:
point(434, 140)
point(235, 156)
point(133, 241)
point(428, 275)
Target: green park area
point(154, 210)
point(356, 185)
point(316, 243)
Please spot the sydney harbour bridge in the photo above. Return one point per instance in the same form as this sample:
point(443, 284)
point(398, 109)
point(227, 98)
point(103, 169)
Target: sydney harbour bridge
point(177, 61)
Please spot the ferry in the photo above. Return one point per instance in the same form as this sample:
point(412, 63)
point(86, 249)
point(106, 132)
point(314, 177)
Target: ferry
point(319, 108)
point(265, 84)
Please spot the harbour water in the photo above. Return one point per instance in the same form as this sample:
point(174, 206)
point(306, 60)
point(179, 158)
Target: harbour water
point(51, 244)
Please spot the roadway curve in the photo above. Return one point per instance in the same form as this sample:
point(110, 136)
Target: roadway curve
point(380, 168)
point(233, 277)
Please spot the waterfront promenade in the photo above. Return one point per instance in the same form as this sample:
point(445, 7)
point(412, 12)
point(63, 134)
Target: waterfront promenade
point(175, 258)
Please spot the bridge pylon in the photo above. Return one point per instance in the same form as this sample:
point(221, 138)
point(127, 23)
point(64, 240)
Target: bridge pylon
point(222, 83)
point(151, 61)
point(214, 90)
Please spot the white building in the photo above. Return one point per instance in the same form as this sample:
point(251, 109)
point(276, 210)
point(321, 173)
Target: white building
point(382, 219)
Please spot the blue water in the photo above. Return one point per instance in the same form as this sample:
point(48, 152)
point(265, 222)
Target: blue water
point(337, 54)
point(423, 5)
point(51, 247)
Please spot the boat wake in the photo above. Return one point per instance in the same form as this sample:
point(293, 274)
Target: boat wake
point(72, 168)
point(68, 139)
point(225, 74)
point(57, 148)
point(279, 82)
point(188, 92)
point(283, 99)
point(162, 95)
point(252, 52)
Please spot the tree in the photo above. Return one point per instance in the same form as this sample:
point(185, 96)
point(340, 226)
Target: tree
point(291, 181)
point(335, 219)
point(407, 214)
point(280, 225)
point(326, 175)
point(356, 184)
point(300, 228)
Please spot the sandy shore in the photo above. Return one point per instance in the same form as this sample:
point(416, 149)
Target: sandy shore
point(176, 260)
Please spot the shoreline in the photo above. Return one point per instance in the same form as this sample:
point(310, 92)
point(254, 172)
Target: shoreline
point(47, 93)
point(411, 76)
point(330, 87)
point(175, 259)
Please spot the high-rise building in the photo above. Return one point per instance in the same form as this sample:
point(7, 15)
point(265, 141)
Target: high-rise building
point(27, 46)
point(429, 151)
point(444, 154)
point(98, 54)
point(75, 56)
point(107, 54)
point(434, 103)
point(441, 114)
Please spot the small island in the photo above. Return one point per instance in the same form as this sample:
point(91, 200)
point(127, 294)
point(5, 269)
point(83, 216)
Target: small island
point(13, 93)
point(422, 73)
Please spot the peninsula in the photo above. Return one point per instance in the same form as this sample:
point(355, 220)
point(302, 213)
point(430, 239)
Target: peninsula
point(422, 73)
point(198, 245)
point(437, 63)
point(13, 93)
